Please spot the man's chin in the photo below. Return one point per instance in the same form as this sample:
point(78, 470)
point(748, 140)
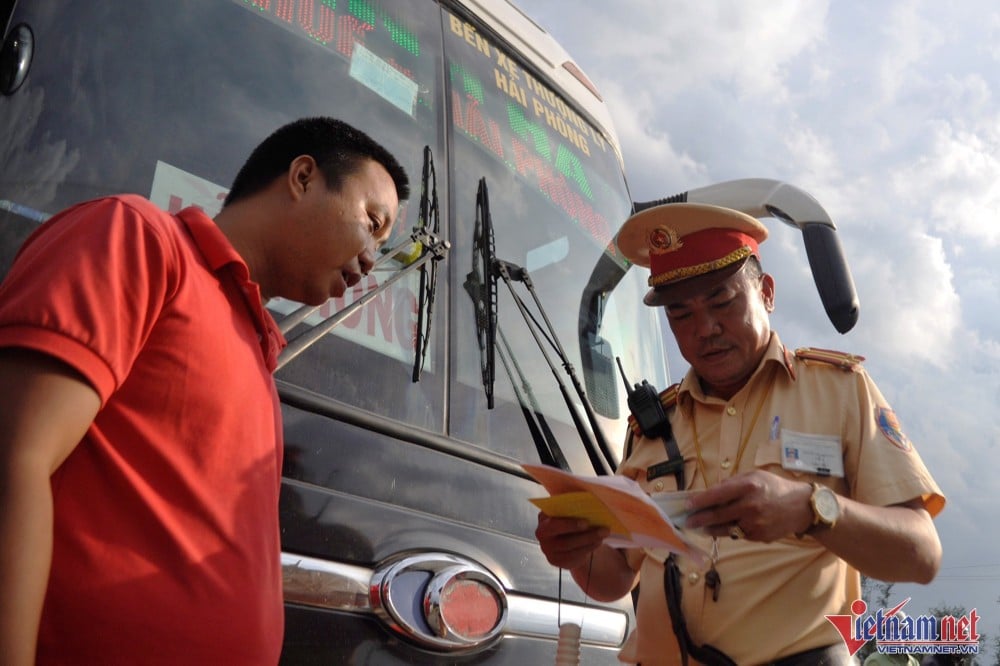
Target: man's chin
point(318, 298)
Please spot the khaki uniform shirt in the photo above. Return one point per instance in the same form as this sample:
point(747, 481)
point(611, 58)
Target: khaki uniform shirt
point(774, 597)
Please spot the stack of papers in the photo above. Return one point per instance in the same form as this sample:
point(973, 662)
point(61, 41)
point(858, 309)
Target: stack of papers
point(636, 520)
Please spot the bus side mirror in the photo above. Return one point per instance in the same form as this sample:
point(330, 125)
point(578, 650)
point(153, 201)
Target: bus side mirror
point(831, 275)
point(600, 380)
point(762, 197)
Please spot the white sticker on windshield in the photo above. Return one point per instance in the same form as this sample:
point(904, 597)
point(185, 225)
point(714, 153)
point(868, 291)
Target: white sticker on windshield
point(383, 78)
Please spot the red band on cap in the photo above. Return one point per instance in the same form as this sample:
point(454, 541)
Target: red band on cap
point(699, 253)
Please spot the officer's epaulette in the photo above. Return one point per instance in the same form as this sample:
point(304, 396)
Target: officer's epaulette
point(842, 360)
point(668, 398)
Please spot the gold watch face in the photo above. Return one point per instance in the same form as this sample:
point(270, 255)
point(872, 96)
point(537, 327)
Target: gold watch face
point(826, 506)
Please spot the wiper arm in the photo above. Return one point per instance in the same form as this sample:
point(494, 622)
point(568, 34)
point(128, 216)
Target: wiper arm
point(432, 249)
point(512, 273)
point(546, 445)
point(430, 215)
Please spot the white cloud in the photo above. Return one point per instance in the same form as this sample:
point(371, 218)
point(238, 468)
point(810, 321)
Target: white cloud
point(636, 123)
point(959, 179)
point(910, 37)
point(912, 311)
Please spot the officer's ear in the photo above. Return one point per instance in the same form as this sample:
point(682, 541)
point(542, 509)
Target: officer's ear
point(767, 291)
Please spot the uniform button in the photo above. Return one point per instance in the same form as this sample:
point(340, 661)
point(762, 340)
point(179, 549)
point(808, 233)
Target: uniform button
point(731, 410)
point(726, 464)
point(693, 577)
point(658, 485)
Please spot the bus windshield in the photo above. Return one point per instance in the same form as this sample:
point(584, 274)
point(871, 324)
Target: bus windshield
point(556, 198)
point(426, 80)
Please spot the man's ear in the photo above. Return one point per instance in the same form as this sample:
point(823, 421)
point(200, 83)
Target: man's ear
point(302, 174)
point(767, 291)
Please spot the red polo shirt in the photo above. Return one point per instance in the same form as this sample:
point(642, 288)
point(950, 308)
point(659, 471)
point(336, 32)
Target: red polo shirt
point(166, 515)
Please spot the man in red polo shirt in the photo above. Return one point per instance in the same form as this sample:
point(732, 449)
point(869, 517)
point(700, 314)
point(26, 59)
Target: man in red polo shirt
point(140, 430)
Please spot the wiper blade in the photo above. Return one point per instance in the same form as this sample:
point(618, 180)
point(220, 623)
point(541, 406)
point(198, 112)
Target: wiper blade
point(430, 215)
point(480, 284)
point(484, 280)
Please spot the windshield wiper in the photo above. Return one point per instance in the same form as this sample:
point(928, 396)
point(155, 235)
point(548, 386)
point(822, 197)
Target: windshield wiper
point(488, 269)
point(548, 448)
point(482, 289)
point(432, 249)
point(480, 284)
point(429, 215)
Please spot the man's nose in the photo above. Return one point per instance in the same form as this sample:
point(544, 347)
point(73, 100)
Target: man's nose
point(706, 324)
point(366, 260)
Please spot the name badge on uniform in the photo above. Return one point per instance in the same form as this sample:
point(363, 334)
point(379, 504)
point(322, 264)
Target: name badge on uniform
point(814, 454)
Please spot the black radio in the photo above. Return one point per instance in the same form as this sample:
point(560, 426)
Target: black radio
point(647, 410)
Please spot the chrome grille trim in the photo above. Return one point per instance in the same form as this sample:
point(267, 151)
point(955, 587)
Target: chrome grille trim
point(311, 581)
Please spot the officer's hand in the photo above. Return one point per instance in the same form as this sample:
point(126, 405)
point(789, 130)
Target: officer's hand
point(763, 506)
point(568, 542)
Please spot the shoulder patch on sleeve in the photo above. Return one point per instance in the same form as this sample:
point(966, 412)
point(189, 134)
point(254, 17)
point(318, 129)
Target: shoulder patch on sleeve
point(842, 360)
point(888, 423)
point(668, 398)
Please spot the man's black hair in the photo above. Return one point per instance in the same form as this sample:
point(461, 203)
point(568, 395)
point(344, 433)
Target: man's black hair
point(338, 148)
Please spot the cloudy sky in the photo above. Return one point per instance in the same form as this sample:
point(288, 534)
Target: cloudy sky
point(888, 113)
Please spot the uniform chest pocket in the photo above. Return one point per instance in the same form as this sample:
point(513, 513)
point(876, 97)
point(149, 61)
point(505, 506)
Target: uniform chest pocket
point(768, 456)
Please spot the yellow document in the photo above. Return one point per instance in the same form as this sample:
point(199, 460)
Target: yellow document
point(581, 504)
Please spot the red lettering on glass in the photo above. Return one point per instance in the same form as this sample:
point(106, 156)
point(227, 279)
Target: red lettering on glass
point(469, 118)
point(406, 327)
point(557, 188)
point(323, 33)
point(405, 71)
point(350, 31)
point(285, 10)
point(175, 204)
point(391, 315)
point(340, 302)
point(380, 309)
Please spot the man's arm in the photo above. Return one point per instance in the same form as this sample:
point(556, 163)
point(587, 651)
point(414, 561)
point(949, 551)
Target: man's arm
point(569, 543)
point(892, 543)
point(865, 534)
point(45, 409)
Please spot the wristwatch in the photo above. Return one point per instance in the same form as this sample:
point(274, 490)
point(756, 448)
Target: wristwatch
point(826, 508)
